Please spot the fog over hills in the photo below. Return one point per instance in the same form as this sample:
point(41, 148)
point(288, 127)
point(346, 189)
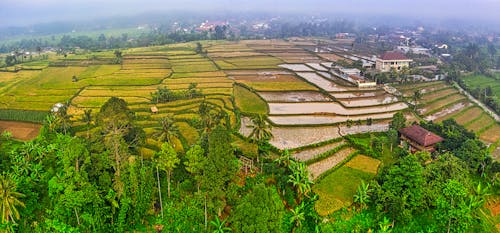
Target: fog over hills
point(27, 12)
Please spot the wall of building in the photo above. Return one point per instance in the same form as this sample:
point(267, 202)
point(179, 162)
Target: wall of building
point(385, 66)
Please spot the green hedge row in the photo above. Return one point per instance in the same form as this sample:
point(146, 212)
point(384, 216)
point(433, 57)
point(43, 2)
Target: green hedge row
point(23, 115)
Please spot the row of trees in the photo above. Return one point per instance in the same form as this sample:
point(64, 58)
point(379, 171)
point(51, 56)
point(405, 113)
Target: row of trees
point(164, 94)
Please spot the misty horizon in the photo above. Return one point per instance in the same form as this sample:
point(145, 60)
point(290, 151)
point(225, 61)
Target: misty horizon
point(24, 12)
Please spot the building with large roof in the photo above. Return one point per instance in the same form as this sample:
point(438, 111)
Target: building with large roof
point(390, 60)
point(419, 139)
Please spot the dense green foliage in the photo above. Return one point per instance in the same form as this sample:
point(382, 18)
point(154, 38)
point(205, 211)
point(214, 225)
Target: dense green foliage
point(164, 95)
point(22, 115)
point(444, 192)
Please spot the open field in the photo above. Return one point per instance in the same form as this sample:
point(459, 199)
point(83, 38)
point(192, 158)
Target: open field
point(294, 96)
point(330, 108)
point(482, 82)
point(20, 130)
point(248, 101)
point(333, 195)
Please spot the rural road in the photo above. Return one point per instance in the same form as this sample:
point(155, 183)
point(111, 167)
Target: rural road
point(471, 98)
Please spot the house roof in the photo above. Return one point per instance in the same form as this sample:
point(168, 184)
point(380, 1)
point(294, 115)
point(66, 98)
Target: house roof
point(393, 56)
point(420, 135)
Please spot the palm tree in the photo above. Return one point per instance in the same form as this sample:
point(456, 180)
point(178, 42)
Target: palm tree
point(220, 227)
point(417, 95)
point(261, 133)
point(298, 216)
point(167, 129)
point(87, 119)
point(261, 130)
point(9, 200)
point(362, 196)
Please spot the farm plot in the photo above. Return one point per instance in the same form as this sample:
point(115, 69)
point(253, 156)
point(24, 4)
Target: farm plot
point(294, 137)
point(20, 130)
point(333, 57)
point(352, 95)
point(299, 56)
point(194, 66)
point(254, 62)
point(297, 67)
point(380, 100)
point(312, 153)
point(438, 94)
point(294, 96)
point(468, 115)
point(94, 71)
point(317, 66)
point(330, 108)
point(491, 135)
point(321, 82)
point(276, 82)
point(248, 101)
point(479, 123)
point(357, 129)
point(446, 112)
point(482, 82)
point(318, 168)
point(324, 120)
point(434, 106)
point(333, 195)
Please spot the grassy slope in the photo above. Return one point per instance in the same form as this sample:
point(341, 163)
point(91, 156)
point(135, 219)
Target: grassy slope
point(248, 101)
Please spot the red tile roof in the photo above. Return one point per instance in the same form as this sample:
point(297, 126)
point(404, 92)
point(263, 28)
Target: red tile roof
point(420, 135)
point(393, 56)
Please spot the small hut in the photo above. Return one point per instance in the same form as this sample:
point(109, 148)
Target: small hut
point(154, 109)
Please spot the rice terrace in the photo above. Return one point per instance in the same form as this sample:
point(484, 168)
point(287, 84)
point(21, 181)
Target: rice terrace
point(264, 125)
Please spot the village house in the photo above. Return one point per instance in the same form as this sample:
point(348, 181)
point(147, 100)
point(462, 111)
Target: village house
point(390, 60)
point(353, 76)
point(418, 139)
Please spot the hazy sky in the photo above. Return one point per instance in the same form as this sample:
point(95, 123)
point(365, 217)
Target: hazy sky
point(22, 12)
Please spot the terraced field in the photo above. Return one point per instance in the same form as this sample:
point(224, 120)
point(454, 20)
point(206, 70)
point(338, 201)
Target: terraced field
point(440, 101)
point(334, 195)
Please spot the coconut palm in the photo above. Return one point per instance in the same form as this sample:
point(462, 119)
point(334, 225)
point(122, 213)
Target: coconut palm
point(87, 119)
point(417, 95)
point(261, 130)
point(167, 129)
point(9, 200)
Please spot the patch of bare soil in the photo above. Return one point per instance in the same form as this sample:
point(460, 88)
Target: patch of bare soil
point(20, 130)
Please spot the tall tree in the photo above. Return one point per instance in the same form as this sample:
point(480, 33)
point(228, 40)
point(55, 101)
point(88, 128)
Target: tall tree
point(398, 121)
point(452, 211)
point(167, 161)
point(195, 163)
point(260, 211)
point(87, 119)
point(116, 123)
point(220, 168)
point(261, 133)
